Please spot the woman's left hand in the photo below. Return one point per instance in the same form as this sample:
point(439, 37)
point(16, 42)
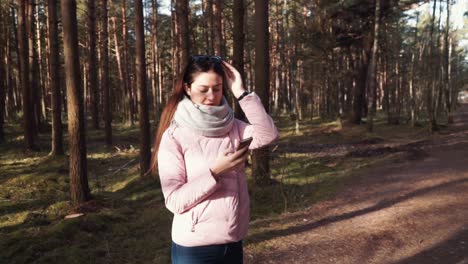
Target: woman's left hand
point(234, 80)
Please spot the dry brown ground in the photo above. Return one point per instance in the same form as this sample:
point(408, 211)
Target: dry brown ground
point(413, 211)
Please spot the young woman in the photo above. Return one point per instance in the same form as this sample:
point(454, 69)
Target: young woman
point(200, 164)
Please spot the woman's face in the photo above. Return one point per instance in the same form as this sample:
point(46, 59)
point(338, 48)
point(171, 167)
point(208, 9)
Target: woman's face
point(206, 89)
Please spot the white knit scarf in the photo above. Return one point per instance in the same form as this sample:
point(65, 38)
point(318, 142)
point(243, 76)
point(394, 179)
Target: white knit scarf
point(207, 120)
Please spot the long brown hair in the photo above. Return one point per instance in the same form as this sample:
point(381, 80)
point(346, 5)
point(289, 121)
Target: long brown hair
point(193, 68)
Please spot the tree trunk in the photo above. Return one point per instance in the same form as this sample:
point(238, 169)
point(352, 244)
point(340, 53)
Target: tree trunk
point(93, 83)
point(106, 104)
point(372, 70)
point(46, 90)
point(10, 80)
point(276, 62)
point(448, 93)
point(3, 79)
point(79, 189)
point(54, 68)
point(33, 67)
point(155, 63)
point(121, 83)
point(208, 21)
point(23, 48)
point(128, 88)
point(218, 32)
point(440, 62)
point(174, 44)
point(412, 90)
point(360, 86)
point(145, 142)
point(41, 100)
point(181, 34)
point(261, 166)
point(238, 47)
point(15, 92)
point(430, 94)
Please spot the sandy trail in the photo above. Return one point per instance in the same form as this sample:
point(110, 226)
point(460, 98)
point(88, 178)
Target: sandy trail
point(414, 211)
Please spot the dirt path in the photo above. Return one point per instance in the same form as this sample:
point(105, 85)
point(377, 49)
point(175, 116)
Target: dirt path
point(414, 211)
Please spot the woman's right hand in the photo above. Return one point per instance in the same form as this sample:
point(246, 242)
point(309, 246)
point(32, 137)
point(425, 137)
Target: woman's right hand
point(234, 80)
point(227, 161)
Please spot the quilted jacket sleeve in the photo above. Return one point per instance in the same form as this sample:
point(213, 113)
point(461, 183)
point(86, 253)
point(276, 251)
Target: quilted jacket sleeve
point(261, 127)
point(179, 194)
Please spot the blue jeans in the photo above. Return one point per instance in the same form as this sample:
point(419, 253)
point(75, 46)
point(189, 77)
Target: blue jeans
point(231, 253)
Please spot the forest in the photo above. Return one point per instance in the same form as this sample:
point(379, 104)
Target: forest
point(352, 85)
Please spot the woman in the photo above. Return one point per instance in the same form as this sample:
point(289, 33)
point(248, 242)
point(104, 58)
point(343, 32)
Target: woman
point(200, 168)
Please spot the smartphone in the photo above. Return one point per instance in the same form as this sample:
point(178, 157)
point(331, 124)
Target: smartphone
point(244, 142)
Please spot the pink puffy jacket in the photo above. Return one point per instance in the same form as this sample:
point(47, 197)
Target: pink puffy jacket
point(207, 211)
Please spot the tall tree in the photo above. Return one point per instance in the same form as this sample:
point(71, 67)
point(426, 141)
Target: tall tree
point(181, 34)
point(217, 27)
point(121, 83)
point(79, 189)
point(209, 29)
point(145, 142)
point(431, 91)
point(33, 66)
point(93, 85)
point(54, 68)
point(12, 66)
point(127, 86)
point(104, 80)
point(238, 45)
point(446, 66)
point(412, 88)
point(41, 98)
point(155, 85)
point(3, 79)
point(23, 49)
point(261, 166)
point(372, 70)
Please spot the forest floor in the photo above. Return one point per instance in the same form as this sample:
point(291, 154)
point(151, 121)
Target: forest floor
point(343, 195)
point(412, 209)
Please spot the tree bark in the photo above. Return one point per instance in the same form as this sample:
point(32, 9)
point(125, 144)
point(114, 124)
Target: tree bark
point(33, 67)
point(238, 47)
point(359, 88)
point(145, 142)
point(79, 189)
point(181, 34)
point(41, 99)
point(431, 91)
point(11, 83)
point(447, 80)
point(128, 89)
point(412, 89)
point(261, 166)
point(93, 82)
point(54, 68)
point(3, 79)
point(105, 74)
point(155, 62)
point(208, 30)
point(23, 50)
point(372, 70)
point(121, 82)
point(217, 28)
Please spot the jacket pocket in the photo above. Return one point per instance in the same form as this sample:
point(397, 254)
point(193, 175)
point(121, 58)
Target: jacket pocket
point(197, 212)
point(220, 209)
